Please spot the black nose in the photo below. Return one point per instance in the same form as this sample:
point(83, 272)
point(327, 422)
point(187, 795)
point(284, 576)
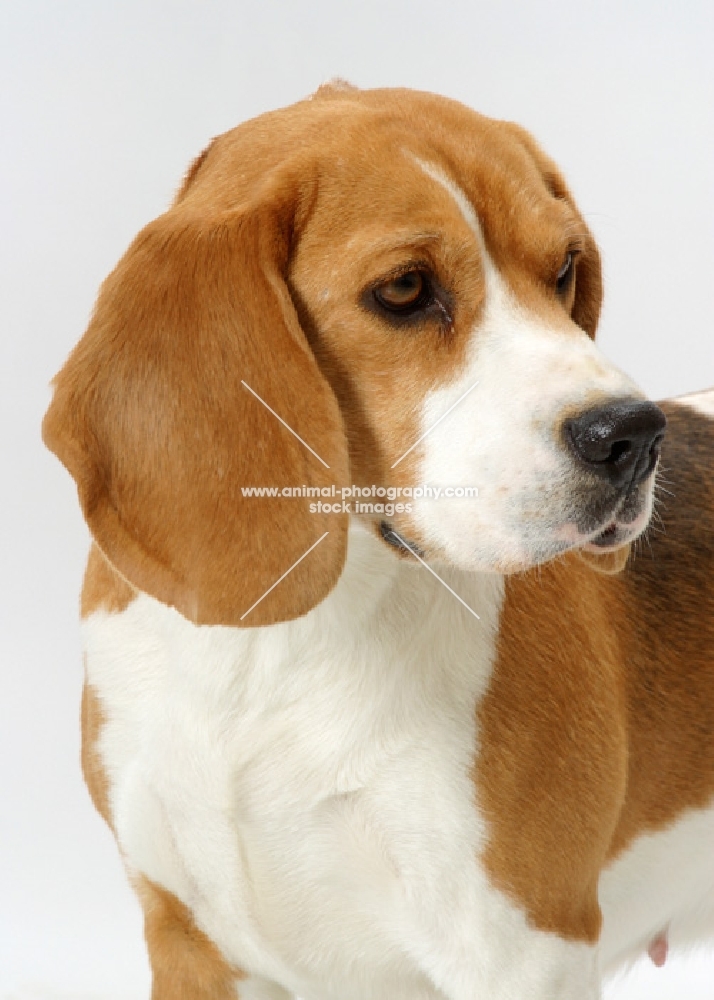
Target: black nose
point(619, 442)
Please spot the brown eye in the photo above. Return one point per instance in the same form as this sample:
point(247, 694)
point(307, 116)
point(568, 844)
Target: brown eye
point(565, 274)
point(407, 293)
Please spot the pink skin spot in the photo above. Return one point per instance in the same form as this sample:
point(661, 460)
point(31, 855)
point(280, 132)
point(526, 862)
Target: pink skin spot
point(658, 949)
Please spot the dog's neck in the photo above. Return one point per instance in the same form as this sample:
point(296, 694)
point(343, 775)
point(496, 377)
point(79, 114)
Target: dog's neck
point(386, 613)
point(396, 598)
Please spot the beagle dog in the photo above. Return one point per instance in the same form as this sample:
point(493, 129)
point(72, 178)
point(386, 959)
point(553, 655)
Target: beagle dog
point(360, 733)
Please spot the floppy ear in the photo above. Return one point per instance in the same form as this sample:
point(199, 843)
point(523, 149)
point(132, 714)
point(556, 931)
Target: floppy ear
point(588, 285)
point(156, 416)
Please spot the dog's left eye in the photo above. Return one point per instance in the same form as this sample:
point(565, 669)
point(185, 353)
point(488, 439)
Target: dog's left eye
point(405, 294)
point(565, 275)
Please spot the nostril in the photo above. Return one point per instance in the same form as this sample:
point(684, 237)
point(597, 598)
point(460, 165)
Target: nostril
point(618, 450)
point(653, 455)
point(619, 442)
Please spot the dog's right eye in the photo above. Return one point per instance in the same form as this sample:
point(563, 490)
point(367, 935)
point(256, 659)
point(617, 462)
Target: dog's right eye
point(405, 294)
point(566, 274)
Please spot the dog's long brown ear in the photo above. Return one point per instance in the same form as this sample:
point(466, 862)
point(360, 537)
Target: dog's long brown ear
point(161, 415)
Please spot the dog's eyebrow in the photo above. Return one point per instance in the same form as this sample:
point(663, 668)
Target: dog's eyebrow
point(404, 241)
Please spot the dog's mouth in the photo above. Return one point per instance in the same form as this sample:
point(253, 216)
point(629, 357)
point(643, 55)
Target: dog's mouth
point(630, 520)
point(616, 534)
point(607, 537)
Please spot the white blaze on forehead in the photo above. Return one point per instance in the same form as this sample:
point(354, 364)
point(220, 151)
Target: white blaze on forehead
point(465, 206)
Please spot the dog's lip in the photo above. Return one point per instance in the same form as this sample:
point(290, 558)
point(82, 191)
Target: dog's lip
point(616, 533)
point(621, 527)
point(610, 537)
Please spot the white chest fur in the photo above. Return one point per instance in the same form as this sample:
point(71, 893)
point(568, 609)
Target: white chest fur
point(305, 789)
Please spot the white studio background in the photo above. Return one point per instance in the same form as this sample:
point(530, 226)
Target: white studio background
point(103, 106)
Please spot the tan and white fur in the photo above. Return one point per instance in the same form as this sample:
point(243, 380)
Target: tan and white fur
point(351, 787)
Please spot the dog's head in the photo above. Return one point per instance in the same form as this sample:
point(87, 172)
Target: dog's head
point(367, 288)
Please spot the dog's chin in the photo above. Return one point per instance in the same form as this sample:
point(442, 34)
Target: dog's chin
point(613, 537)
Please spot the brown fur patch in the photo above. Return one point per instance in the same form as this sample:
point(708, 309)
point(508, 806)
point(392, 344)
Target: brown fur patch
point(103, 588)
point(599, 722)
point(552, 769)
point(185, 964)
point(92, 768)
point(666, 628)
